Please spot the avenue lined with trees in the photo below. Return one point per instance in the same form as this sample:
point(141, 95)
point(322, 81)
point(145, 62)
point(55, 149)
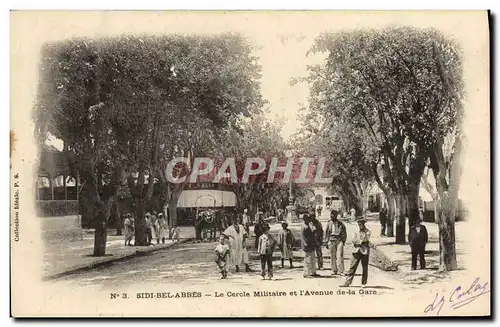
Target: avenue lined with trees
point(386, 106)
point(385, 109)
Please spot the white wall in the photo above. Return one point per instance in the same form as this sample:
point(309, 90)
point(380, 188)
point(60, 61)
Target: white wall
point(206, 198)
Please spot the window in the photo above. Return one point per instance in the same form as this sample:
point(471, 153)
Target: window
point(43, 182)
point(59, 193)
point(44, 192)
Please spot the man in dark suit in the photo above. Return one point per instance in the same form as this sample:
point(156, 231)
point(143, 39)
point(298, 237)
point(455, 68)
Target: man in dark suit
point(418, 237)
point(309, 244)
point(383, 220)
point(257, 229)
point(318, 232)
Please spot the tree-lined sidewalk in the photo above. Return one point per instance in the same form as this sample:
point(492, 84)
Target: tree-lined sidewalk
point(385, 106)
point(398, 254)
point(126, 106)
point(70, 257)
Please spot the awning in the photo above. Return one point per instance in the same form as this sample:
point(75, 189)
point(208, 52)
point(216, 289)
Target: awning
point(206, 199)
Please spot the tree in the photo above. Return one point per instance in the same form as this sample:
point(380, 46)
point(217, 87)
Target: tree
point(256, 137)
point(125, 106)
point(220, 76)
point(71, 106)
point(395, 83)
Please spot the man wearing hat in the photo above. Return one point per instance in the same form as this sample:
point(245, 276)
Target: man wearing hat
point(417, 237)
point(257, 229)
point(318, 232)
point(309, 244)
point(361, 252)
point(336, 236)
point(286, 240)
point(265, 249)
point(383, 220)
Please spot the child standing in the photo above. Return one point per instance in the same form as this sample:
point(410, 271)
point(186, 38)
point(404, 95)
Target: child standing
point(286, 240)
point(129, 229)
point(222, 253)
point(265, 250)
point(175, 233)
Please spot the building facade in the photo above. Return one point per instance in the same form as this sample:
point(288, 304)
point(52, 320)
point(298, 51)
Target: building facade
point(56, 198)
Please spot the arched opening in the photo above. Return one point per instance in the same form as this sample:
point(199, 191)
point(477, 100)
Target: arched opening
point(44, 191)
point(59, 188)
point(71, 188)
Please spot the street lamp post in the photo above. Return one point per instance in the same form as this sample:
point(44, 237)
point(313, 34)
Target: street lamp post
point(291, 215)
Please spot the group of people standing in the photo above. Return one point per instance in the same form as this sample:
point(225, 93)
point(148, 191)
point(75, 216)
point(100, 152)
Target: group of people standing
point(232, 249)
point(232, 246)
point(334, 239)
point(156, 228)
point(313, 238)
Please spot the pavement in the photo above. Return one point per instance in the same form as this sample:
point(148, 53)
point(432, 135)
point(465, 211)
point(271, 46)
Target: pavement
point(76, 259)
point(188, 268)
point(192, 266)
point(170, 278)
point(61, 259)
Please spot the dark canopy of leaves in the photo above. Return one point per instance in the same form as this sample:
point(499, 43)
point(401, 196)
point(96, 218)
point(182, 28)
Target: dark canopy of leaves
point(103, 97)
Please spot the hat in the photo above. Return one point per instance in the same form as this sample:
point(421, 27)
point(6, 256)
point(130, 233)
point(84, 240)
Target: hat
point(245, 211)
point(284, 223)
point(361, 218)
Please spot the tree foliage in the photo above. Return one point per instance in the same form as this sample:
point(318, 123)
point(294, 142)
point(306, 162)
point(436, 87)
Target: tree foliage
point(124, 106)
point(401, 90)
point(257, 137)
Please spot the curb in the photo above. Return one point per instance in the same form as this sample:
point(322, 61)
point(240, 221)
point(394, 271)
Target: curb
point(123, 257)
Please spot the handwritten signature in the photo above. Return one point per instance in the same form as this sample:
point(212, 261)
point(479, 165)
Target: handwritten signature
point(459, 297)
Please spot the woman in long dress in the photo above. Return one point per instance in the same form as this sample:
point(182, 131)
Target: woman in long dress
point(129, 229)
point(154, 231)
point(286, 241)
point(161, 227)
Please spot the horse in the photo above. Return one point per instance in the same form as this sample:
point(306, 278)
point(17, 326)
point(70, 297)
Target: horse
point(210, 226)
point(210, 222)
point(207, 223)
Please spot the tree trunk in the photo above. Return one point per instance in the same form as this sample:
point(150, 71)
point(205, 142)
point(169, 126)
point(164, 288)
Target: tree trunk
point(412, 202)
point(100, 234)
point(359, 206)
point(390, 215)
point(100, 238)
point(401, 219)
point(119, 221)
point(172, 206)
point(447, 249)
point(347, 202)
point(437, 210)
